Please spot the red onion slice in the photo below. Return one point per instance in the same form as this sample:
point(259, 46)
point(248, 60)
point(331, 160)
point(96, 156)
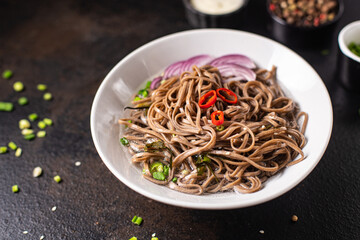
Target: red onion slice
point(173, 70)
point(199, 60)
point(236, 71)
point(238, 59)
point(155, 83)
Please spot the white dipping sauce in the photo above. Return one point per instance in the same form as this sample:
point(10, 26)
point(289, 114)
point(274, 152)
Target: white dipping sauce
point(217, 7)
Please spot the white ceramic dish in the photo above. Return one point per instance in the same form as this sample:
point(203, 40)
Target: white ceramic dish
point(296, 76)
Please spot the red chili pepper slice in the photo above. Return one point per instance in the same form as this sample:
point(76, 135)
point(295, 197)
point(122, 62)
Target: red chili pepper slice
point(272, 7)
point(208, 99)
point(217, 118)
point(227, 95)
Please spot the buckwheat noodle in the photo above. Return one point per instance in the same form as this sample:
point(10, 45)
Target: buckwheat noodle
point(261, 134)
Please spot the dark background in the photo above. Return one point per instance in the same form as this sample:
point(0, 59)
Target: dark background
point(71, 46)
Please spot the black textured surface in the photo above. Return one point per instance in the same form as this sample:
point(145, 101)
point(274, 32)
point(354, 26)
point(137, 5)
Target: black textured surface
point(71, 46)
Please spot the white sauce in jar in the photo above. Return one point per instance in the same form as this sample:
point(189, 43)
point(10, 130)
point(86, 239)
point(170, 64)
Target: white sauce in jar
point(217, 7)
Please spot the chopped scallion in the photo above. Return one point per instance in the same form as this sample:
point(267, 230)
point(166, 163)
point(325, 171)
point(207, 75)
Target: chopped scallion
point(220, 128)
point(174, 179)
point(33, 117)
point(154, 238)
point(48, 121)
point(12, 145)
point(158, 176)
point(24, 123)
point(7, 74)
point(3, 149)
point(137, 98)
point(57, 178)
point(23, 101)
point(133, 238)
point(15, 188)
point(41, 134)
point(6, 106)
point(47, 96)
point(148, 84)
point(18, 152)
point(41, 87)
point(124, 141)
point(27, 131)
point(41, 124)
point(18, 86)
point(137, 220)
point(30, 136)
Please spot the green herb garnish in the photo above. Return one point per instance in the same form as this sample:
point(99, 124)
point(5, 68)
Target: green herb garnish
point(124, 141)
point(6, 106)
point(354, 48)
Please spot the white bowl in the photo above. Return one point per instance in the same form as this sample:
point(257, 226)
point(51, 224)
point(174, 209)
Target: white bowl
point(350, 33)
point(296, 76)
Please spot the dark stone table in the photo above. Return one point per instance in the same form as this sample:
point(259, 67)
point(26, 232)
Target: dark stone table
point(71, 46)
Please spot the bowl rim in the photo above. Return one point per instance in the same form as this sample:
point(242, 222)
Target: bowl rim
point(303, 28)
point(199, 205)
point(189, 6)
point(343, 47)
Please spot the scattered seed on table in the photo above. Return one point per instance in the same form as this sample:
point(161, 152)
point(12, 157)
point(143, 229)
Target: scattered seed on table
point(23, 101)
point(24, 123)
point(57, 178)
point(33, 116)
point(18, 152)
point(41, 134)
point(294, 218)
point(77, 163)
point(3, 149)
point(47, 96)
point(41, 125)
point(6, 106)
point(262, 231)
point(25, 232)
point(42, 237)
point(53, 208)
point(41, 87)
point(12, 145)
point(7, 74)
point(18, 86)
point(37, 172)
point(15, 188)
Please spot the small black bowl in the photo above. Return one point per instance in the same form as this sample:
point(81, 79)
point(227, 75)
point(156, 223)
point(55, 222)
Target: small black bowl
point(348, 62)
point(300, 36)
point(202, 20)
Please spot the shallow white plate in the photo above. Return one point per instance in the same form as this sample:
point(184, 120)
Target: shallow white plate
point(296, 76)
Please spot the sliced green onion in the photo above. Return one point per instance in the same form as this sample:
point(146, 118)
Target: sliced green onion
point(162, 81)
point(158, 176)
point(15, 188)
point(133, 238)
point(57, 178)
point(41, 87)
point(137, 220)
point(23, 101)
point(154, 238)
point(206, 159)
point(41, 134)
point(148, 84)
point(143, 93)
point(30, 136)
point(137, 98)
point(7, 74)
point(24, 123)
point(6, 106)
point(47, 96)
point(3, 149)
point(156, 167)
point(166, 170)
point(41, 125)
point(220, 128)
point(185, 172)
point(12, 145)
point(48, 121)
point(33, 116)
point(124, 141)
point(18, 86)
point(18, 152)
point(174, 179)
point(27, 131)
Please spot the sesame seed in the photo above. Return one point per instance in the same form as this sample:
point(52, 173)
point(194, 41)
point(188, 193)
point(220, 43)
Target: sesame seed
point(77, 164)
point(25, 232)
point(53, 208)
point(294, 218)
point(262, 231)
point(42, 237)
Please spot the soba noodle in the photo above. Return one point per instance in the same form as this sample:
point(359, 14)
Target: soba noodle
point(261, 133)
